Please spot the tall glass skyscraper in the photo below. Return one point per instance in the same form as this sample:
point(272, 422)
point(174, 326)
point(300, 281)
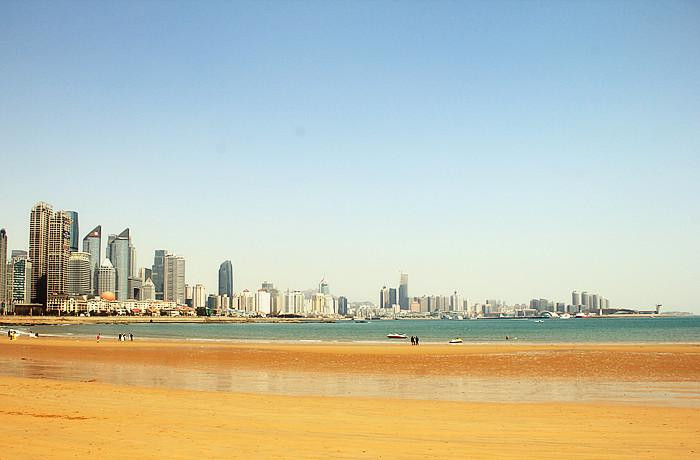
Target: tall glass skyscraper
point(92, 244)
point(226, 279)
point(3, 267)
point(74, 234)
point(157, 272)
point(403, 291)
point(119, 252)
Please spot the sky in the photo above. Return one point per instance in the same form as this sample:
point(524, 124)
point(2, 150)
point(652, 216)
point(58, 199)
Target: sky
point(505, 150)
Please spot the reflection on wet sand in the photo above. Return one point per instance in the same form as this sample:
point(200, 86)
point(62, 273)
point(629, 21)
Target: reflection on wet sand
point(449, 388)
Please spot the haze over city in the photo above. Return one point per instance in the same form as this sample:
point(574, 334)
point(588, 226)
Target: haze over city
point(502, 152)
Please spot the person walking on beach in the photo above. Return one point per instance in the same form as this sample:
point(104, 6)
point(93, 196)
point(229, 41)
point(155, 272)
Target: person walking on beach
point(413, 340)
point(416, 340)
point(98, 337)
point(131, 336)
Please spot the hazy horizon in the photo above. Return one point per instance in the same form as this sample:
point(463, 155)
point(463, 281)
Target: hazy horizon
point(507, 150)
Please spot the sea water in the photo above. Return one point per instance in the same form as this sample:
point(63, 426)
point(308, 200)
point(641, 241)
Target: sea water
point(592, 330)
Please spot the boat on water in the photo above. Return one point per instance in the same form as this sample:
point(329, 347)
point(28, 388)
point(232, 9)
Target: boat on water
point(539, 321)
point(361, 321)
point(397, 336)
point(580, 315)
point(457, 340)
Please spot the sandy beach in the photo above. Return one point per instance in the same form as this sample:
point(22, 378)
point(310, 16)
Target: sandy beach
point(62, 417)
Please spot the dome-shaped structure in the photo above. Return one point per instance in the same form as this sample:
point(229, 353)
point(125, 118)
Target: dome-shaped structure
point(108, 296)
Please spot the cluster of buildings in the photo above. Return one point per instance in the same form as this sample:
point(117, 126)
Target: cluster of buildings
point(56, 276)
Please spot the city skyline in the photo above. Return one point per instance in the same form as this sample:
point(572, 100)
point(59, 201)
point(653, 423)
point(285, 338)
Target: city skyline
point(498, 150)
point(76, 277)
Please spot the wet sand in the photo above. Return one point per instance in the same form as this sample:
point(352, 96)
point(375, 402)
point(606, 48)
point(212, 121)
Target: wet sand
point(88, 417)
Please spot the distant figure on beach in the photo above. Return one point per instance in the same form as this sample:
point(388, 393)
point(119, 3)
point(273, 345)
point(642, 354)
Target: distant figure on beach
point(507, 337)
point(417, 340)
point(413, 340)
point(120, 337)
point(98, 337)
point(131, 336)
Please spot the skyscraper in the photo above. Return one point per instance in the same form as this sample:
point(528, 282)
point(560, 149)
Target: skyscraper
point(3, 269)
point(323, 287)
point(74, 234)
point(342, 305)
point(119, 250)
point(226, 278)
point(92, 244)
point(157, 272)
point(392, 298)
point(58, 254)
point(403, 291)
point(384, 298)
point(21, 280)
point(174, 279)
point(79, 274)
point(39, 249)
point(148, 290)
point(106, 277)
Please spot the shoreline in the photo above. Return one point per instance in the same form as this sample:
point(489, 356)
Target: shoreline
point(46, 320)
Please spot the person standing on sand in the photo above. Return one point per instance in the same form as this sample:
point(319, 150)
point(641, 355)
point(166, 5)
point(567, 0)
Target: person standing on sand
point(131, 336)
point(417, 340)
point(98, 337)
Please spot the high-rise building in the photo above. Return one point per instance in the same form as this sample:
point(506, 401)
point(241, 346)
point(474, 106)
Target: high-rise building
point(79, 274)
point(73, 230)
point(4, 297)
point(132, 260)
point(403, 291)
point(393, 299)
point(226, 278)
point(157, 272)
point(456, 302)
point(199, 296)
point(119, 250)
point(107, 277)
point(92, 244)
point(384, 298)
point(39, 249)
point(323, 287)
point(342, 305)
point(575, 299)
point(21, 280)
point(262, 302)
point(174, 278)
point(58, 254)
point(148, 290)
point(585, 300)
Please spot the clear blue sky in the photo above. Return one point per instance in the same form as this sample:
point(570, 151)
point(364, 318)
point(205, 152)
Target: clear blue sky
point(503, 149)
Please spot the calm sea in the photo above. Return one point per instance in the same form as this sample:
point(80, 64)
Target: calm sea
point(671, 329)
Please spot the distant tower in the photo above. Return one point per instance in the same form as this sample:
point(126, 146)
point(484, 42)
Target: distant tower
point(92, 244)
point(39, 249)
point(4, 296)
point(342, 305)
point(148, 290)
point(384, 298)
point(106, 277)
point(226, 278)
point(79, 272)
point(119, 251)
point(174, 279)
point(74, 235)
point(403, 291)
point(58, 254)
point(157, 272)
point(323, 287)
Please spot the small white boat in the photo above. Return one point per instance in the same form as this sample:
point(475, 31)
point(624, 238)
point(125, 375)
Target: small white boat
point(457, 340)
point(539, 321)
point(397, 336)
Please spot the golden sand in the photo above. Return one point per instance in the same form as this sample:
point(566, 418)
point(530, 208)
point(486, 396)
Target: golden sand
point(62, 419)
